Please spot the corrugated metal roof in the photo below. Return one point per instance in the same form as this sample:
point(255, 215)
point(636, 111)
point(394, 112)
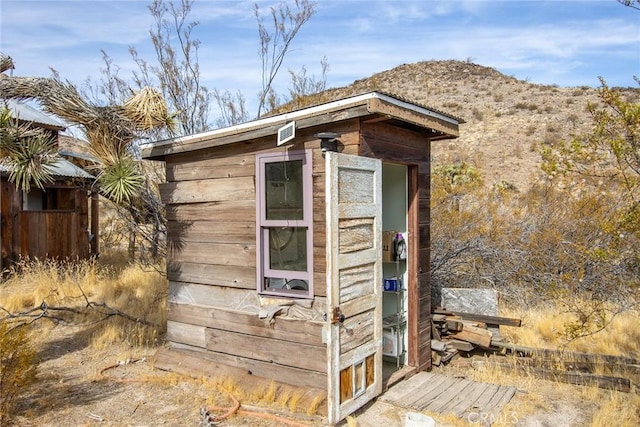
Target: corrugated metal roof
point(64, 167)
point(82, 156)
point(21, 110)
point(61, 168)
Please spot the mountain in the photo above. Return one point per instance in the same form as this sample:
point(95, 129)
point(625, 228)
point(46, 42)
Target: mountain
point(506, 118)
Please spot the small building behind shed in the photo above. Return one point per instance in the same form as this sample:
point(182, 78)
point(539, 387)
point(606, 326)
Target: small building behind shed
point(58, 221)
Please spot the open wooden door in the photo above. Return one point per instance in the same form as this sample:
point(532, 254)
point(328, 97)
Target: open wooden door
point(354, 282)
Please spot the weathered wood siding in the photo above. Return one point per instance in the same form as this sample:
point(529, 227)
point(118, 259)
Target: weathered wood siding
point(60, 231)
point(388, 143)
point(11, 206)
point(210, 198)
point(213, 303)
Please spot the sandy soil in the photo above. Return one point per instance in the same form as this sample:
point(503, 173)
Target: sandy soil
point(71, 391)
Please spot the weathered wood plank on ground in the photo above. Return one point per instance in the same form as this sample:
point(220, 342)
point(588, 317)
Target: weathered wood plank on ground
point(454, 392)
point(427, 391)
point(566, 355)
point(475, 335)
point(460, 406)
point(577, 378)
point(489, 320)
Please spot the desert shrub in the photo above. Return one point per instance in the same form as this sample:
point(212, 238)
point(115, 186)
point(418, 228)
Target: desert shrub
point(531, 129)
point(18, 368)
point(543, 244)
point(477, 114)
point(525, 106)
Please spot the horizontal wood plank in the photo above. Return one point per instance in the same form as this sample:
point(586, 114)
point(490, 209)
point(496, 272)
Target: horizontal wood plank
point(356, 331)
point(243, 232)
point(197, 362)
point(213, 296)
point(210, 274)
point(225, 167)
point(212, 253)
point(489, 320)
point(221, 211)
point(208, 190)
point(285, 353)
point(246, 322)
point(186, 333)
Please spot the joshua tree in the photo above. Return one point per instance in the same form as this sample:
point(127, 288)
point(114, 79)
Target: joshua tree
point(110, 130)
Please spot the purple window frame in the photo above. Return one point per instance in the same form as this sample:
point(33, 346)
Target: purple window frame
point(263, 269)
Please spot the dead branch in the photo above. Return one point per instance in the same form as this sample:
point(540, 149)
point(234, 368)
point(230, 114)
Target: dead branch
point(46, 311)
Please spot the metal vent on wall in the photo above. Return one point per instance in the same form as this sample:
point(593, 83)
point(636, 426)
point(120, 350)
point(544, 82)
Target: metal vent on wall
point(286, 133)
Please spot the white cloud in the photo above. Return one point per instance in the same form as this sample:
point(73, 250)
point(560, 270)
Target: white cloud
point(359, 38)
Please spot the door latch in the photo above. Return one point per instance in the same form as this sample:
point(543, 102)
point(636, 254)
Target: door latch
point(336, 315)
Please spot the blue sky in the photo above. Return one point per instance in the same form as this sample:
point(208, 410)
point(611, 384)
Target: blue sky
point(568, 43)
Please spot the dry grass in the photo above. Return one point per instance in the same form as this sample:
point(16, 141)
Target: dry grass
point(623, 409)
point(66, 289)
point(141, 294)
point(351, 421)
point(544, 327)
point(597, 407)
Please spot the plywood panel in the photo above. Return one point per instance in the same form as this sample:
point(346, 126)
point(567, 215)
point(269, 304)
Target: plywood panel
point(390, 143)
point(358, 305)
point(356, 234)
point(386, 134)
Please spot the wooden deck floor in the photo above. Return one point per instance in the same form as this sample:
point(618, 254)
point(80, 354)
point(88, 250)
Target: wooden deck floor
point(427, 391)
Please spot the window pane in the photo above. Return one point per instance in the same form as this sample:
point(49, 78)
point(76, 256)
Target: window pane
point(288, 248)
point(284, 198)
point(286, 285)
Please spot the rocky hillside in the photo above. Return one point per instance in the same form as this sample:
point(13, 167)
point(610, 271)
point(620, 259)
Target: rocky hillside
point(505, 118)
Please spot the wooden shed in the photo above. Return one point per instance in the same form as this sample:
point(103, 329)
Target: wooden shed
point(57, 221)
point(299, 246)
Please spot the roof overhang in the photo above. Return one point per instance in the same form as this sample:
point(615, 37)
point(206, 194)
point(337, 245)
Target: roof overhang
point(22, 111)
point(376, 105)
point(61, 168)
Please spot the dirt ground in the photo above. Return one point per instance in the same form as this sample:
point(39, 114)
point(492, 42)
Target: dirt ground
point(72, 391)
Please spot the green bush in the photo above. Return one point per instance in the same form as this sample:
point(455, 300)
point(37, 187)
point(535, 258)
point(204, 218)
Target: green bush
point(18, 368)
